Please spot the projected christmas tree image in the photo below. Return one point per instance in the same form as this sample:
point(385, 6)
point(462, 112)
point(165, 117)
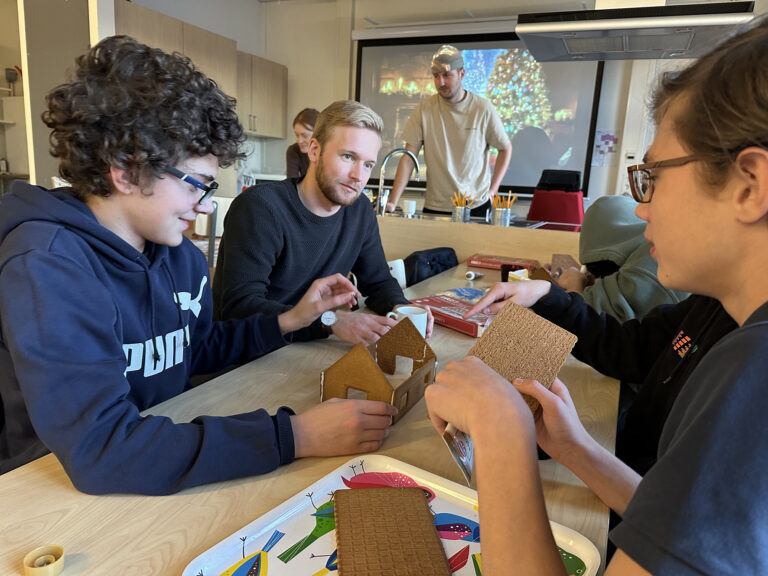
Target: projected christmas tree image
point(517, 89)
point(478, 66)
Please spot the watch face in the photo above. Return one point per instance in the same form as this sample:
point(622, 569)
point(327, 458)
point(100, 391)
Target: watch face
point(328, 318)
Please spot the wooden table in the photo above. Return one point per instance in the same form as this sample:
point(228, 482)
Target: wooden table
point(155, 535)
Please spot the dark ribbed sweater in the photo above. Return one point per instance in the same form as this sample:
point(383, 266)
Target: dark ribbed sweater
point(273, 248)
point(658, 353)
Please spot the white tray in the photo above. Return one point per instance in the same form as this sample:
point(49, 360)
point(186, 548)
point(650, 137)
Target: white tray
point(269, 537)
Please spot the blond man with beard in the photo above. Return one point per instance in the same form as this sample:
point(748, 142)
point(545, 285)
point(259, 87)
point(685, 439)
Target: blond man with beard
point(279, 237)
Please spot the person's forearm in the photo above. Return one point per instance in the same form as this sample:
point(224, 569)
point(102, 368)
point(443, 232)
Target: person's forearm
point(624, 351)
point(500, 168)
point(515, 529)
point(608, 477)
point(289, 321)
point(243, 303)
point(385, 296)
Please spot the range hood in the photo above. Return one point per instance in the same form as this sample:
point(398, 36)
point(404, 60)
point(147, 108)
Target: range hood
point(685, 31)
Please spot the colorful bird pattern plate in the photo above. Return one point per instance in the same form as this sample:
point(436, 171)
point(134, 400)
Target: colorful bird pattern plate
point(297, 538)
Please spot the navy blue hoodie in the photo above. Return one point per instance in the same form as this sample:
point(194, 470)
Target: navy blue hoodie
point(92, 332)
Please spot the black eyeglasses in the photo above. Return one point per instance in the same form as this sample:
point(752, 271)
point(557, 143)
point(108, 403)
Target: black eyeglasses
point(641, 177)
point(208, 189)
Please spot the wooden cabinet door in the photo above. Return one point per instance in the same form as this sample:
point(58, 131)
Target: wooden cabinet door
point(149, 27)
point(278, 97)
point(214, 55)
point(269, 91)
point(244, 91)
point(260, 95)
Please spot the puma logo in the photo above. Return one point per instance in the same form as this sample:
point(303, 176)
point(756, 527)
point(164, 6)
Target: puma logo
point(169, 347)
point(185, 301)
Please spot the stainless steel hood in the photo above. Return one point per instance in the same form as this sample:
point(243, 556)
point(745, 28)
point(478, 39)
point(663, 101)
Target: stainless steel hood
point(685, 31)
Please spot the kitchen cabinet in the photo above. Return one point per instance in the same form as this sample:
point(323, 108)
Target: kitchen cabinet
point(147, 26)
point(261, 95)
point(212, 54)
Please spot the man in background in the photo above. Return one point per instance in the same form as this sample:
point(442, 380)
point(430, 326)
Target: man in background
point(280, 236)
point(457, 129)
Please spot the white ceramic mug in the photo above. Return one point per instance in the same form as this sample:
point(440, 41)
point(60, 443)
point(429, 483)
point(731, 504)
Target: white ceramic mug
point(416, 314)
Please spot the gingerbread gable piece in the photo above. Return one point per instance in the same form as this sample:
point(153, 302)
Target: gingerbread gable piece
point(365, 370)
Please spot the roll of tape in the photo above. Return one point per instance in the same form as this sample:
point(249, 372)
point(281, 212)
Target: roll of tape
point(44, 561)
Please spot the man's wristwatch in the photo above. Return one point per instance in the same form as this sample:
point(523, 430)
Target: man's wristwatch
point(328, 319)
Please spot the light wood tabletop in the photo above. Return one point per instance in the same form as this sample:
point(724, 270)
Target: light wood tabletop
point(125, 534)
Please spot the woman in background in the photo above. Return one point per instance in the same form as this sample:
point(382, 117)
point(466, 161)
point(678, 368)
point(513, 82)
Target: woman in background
point(296, 159)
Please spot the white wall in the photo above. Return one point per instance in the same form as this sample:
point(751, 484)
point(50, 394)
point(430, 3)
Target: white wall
point(49, 60)
point(303, 73)
point(610, 117)
point(318, 59)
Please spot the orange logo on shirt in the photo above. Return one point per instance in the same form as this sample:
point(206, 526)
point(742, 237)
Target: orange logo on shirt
point(682, 344)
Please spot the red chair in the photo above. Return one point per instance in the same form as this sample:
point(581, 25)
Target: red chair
point(558, 206)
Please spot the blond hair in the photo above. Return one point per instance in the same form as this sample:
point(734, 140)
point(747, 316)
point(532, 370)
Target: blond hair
point(346, 113)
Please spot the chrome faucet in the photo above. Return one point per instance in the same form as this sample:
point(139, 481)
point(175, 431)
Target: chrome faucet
point(381, 203)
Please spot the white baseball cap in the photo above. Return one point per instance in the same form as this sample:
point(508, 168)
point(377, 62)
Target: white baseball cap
point(447, 58)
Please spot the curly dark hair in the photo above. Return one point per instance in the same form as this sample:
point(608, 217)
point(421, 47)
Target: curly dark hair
point(137, 108)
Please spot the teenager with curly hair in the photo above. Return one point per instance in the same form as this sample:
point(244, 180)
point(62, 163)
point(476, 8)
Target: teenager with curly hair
point(105, 306)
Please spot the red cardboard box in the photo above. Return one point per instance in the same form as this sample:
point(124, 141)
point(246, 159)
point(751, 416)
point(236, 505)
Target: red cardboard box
point(495, 262)
point(448, 312)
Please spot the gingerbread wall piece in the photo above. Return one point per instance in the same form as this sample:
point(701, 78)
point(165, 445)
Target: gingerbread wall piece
point(521, 344)
point(367, 369)
point(385, 531)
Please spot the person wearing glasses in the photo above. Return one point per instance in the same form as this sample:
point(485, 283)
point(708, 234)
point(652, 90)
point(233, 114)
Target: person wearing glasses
point(701, 508)
point(105, 306)
point(652, 356)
